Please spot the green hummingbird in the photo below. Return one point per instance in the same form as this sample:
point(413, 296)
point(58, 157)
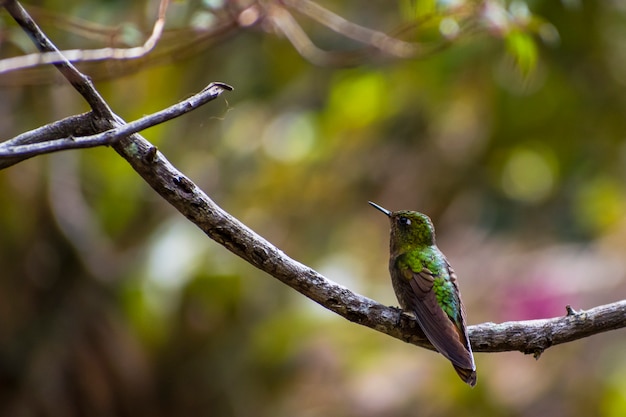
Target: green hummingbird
point(425, 284)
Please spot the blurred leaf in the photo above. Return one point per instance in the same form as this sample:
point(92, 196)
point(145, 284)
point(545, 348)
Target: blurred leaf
point(357, 99)
point(522, 47)
point(416, 9)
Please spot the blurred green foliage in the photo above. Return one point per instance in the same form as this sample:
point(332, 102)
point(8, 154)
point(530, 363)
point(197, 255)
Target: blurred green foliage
point(511, 139)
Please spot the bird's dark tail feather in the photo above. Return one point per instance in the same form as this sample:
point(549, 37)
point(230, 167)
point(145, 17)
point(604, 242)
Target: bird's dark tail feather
point(467, 375)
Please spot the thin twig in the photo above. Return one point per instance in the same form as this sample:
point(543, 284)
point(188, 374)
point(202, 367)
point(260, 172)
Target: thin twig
point(378, 45)
point(367, 36)
point(31, 147)
point(69, 126)
point(82, 55)
point(77, 125)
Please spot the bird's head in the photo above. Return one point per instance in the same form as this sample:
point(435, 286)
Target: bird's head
point(409, 229)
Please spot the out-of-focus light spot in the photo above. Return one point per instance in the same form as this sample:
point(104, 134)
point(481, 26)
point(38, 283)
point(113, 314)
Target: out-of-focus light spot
point(344, 269)
point(358, 100)
point(249, 16)
point(131, 35)
point(495, 16)
point(241, 130)
point(450, 4)
point(173, 255)
point(600, 204)
point(519, 10)
point(549, 34)
point(529, 175)
point(213, 4)
point(460, 129)
point(289, 137)
point(449, 27)
point(202, 20)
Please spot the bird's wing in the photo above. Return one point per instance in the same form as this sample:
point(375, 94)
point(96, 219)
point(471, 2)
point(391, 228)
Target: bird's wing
point(447, 334)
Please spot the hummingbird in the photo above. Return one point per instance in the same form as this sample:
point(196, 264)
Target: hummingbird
point(425, 285)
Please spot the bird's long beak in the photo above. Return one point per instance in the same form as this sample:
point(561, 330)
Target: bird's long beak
point(384, 210)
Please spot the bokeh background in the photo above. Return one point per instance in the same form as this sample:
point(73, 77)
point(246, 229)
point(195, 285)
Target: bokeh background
point(112, 304)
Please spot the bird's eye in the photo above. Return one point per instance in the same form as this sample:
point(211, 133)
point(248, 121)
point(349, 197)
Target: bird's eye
point(404, 221)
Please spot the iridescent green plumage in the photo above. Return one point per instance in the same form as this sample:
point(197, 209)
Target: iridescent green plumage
point(425, 284)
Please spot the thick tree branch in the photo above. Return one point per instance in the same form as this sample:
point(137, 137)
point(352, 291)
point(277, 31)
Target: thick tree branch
point(532, 336)
point(528, 336)
point(535, 336)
